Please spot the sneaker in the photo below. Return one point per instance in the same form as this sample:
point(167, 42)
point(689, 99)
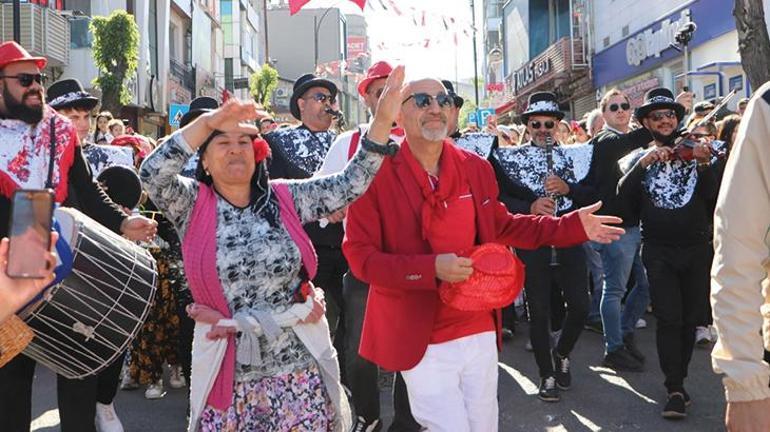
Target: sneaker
point(702, 336)
point(362, 426)
point(107, 419)
point(548, 391)
point(641, 323)
point(675, 407)
point(622, 361)
point(155, 391)
point(128, 383)
point(176, 379)
point(687, 400)
point(629, 343)
point(528, 346)
point(506, 334)
point(595, 326)
point(561, 370)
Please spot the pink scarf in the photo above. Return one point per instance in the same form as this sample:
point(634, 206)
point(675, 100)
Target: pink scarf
point(199, 252)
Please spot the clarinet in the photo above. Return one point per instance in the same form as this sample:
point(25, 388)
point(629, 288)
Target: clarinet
point(339, 117)
point(549, 171)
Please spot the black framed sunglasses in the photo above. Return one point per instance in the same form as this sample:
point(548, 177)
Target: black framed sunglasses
point(625, 106)
point(424, 100)
point(660, 115)
point(537, 125)
point(323, 97)
point(26, 79)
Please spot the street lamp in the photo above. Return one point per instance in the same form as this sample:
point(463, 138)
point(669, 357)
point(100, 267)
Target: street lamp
point(475, 60)
point(17, 21)
point(316, 29)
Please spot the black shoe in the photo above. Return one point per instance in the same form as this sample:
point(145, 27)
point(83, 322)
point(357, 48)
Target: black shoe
point(687, 400)
point(630, 344)
point(361, 425)
point(622, 360)
point(675, 407)
point(595, 326)
point(506, 334)
point(548, 391)
point(561, 370)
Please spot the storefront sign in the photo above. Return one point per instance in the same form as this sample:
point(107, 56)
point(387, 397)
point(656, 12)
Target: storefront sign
point(651, 43)
point(531, 73)
point(648, 48)
point(356, 46)
point(635, 92)
point(736, 82)
point(710, 91)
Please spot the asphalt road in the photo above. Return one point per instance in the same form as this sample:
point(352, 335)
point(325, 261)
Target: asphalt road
point(599, 400)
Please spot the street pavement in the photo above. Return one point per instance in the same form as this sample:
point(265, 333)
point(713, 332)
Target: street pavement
point(600, 400)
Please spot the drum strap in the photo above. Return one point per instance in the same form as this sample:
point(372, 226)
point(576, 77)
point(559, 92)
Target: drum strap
point(52, 156)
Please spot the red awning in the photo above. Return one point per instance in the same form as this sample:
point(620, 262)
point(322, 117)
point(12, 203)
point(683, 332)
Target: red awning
point(504, 108)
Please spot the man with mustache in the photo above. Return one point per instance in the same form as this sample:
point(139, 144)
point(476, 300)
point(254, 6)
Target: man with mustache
point(674, 197)
point(406, 248)
point(29, 132)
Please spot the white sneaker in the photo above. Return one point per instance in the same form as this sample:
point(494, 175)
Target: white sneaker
point(107, 419)
point(128, 383)
point(641, 323)
point(702, 336)
point(155, 391)
point(176, 379)
point(528, 346)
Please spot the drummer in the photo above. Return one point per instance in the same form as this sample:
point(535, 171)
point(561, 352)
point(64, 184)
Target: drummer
point(23, 109)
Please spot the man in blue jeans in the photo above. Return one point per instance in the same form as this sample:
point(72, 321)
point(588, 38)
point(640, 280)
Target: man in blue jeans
point(619, 258)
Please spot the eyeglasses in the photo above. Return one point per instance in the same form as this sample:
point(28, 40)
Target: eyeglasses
point(26, 79)
point(537, 125)
point(625, 106)
point(424, 100)
point(660, 115)
point(323, 97)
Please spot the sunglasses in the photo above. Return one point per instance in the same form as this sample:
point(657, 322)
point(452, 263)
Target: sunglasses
point(537, 125)
point(323, 97)
point(424, 100)
point(26, 79)
point(660, 115)
point(625, 106)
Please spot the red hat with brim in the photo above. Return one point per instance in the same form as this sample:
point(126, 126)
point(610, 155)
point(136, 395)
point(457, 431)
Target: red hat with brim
point(11, 52)
point(497, 279)
point(381, 69)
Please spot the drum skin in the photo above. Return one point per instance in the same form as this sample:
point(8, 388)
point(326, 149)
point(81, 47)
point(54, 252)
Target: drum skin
point(86, 322)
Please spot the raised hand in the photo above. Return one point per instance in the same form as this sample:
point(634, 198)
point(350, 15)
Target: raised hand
point(388, 106)
point(232, 117)
point(597, 227)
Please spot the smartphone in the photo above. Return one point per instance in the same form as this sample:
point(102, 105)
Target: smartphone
point(30, 233)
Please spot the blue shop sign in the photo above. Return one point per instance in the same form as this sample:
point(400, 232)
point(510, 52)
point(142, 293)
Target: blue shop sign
point(650, 47)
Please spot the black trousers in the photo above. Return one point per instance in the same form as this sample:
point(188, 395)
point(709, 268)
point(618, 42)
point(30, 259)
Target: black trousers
point(331, 267)
point(679, 290)
point(362, 375)
point(107, 381)
point(571, 279)
point(76, 398)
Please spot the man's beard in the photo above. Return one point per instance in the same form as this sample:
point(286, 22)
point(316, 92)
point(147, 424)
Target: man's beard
point(666, 140)
point(434, 134)
point(21, 111)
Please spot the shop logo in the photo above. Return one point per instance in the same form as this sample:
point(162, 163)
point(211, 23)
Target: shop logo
point(651, 43)
point(531, 73)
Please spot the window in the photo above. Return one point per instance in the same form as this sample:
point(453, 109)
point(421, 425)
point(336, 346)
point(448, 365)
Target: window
point(173, 34)
point(153, 39)
point(80, 33)
point(229, 74)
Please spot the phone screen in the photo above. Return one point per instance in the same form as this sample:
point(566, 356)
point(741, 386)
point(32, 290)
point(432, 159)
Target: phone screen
point(30, 233)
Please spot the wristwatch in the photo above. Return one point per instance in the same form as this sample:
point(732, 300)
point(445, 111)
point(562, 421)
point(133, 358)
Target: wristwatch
point(389, 149)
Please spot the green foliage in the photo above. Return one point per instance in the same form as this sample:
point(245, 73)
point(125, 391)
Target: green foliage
point(262, 84)
point(116, 55)
point(468, 107)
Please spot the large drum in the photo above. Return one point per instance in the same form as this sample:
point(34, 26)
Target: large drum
point(84, 323)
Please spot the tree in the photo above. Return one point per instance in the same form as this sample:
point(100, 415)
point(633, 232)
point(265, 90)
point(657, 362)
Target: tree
point(116, 55)
point(262, 83)
point(753, 40)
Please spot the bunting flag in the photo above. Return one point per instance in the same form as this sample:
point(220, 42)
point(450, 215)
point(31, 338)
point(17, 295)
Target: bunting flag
point(296, 5)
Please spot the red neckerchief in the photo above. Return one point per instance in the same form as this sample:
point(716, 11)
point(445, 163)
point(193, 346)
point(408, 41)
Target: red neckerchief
point(451, 178)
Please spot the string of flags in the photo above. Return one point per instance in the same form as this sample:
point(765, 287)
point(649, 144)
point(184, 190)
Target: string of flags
point(296, 5)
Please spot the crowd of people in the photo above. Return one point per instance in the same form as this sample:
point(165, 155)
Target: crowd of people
point(295, 263)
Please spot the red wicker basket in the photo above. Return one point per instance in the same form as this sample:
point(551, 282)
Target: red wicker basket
point(497, 279)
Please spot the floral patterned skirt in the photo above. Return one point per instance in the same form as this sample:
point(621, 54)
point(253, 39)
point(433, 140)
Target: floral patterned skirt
point(294, 402)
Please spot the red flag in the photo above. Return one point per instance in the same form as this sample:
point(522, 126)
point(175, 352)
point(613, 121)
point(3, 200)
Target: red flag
point(225, 96)
point(296, 5)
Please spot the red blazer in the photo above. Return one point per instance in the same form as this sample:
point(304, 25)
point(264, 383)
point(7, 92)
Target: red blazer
point(384, 247)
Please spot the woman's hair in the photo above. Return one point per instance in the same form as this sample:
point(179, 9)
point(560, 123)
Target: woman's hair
point(103, 114)
point(113, 123)
point(727, 128)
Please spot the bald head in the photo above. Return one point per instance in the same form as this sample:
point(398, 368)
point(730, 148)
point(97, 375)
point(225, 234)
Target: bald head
point(431, 122)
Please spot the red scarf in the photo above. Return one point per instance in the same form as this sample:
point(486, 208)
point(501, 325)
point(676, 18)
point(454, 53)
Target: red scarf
point(451, 178)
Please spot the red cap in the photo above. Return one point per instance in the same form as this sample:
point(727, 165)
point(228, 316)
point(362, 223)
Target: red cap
point(381, 69)
point(11, 52)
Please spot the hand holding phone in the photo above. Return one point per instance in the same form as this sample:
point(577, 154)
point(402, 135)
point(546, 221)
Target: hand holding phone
point(30, 234)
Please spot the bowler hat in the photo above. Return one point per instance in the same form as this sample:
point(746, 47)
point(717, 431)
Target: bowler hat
point(198, 106)
point(542, 103)
point(450, 89)
point(659, 98)
point(69, 93)
point(305, 83)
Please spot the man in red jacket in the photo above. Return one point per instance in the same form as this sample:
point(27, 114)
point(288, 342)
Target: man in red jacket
point(428, 203)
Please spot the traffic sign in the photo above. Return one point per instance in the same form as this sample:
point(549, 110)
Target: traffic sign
point(483, 116)
point(175, 113)
point(473, 118)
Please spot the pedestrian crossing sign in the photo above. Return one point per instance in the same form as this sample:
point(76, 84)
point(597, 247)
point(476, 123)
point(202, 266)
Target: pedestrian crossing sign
point(175, 113)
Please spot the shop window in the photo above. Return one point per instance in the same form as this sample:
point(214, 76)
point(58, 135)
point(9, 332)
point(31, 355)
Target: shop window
point(80, 33)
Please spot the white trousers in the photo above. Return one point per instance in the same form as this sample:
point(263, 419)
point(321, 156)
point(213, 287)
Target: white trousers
point(454, 387)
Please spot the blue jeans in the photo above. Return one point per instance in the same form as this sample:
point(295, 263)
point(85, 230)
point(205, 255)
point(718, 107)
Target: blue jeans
point(639, 297)
point(618, 259)
point(595, 270)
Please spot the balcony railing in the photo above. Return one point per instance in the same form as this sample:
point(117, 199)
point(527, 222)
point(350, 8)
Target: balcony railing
point(44, 32)
point(184, 73)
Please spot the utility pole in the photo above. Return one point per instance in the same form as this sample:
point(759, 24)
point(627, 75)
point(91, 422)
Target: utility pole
point(267, 44)
point(475, 59)
point(17, 21)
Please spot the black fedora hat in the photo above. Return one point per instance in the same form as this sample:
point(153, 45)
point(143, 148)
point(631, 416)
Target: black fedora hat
point(542, 103)
point(198, 106)
point(450, 89)
point(69, 93)
point(659, 98)
point(303, 84)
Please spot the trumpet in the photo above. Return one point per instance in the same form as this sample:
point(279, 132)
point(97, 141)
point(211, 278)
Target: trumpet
point(339, 117)
point(550, 171)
